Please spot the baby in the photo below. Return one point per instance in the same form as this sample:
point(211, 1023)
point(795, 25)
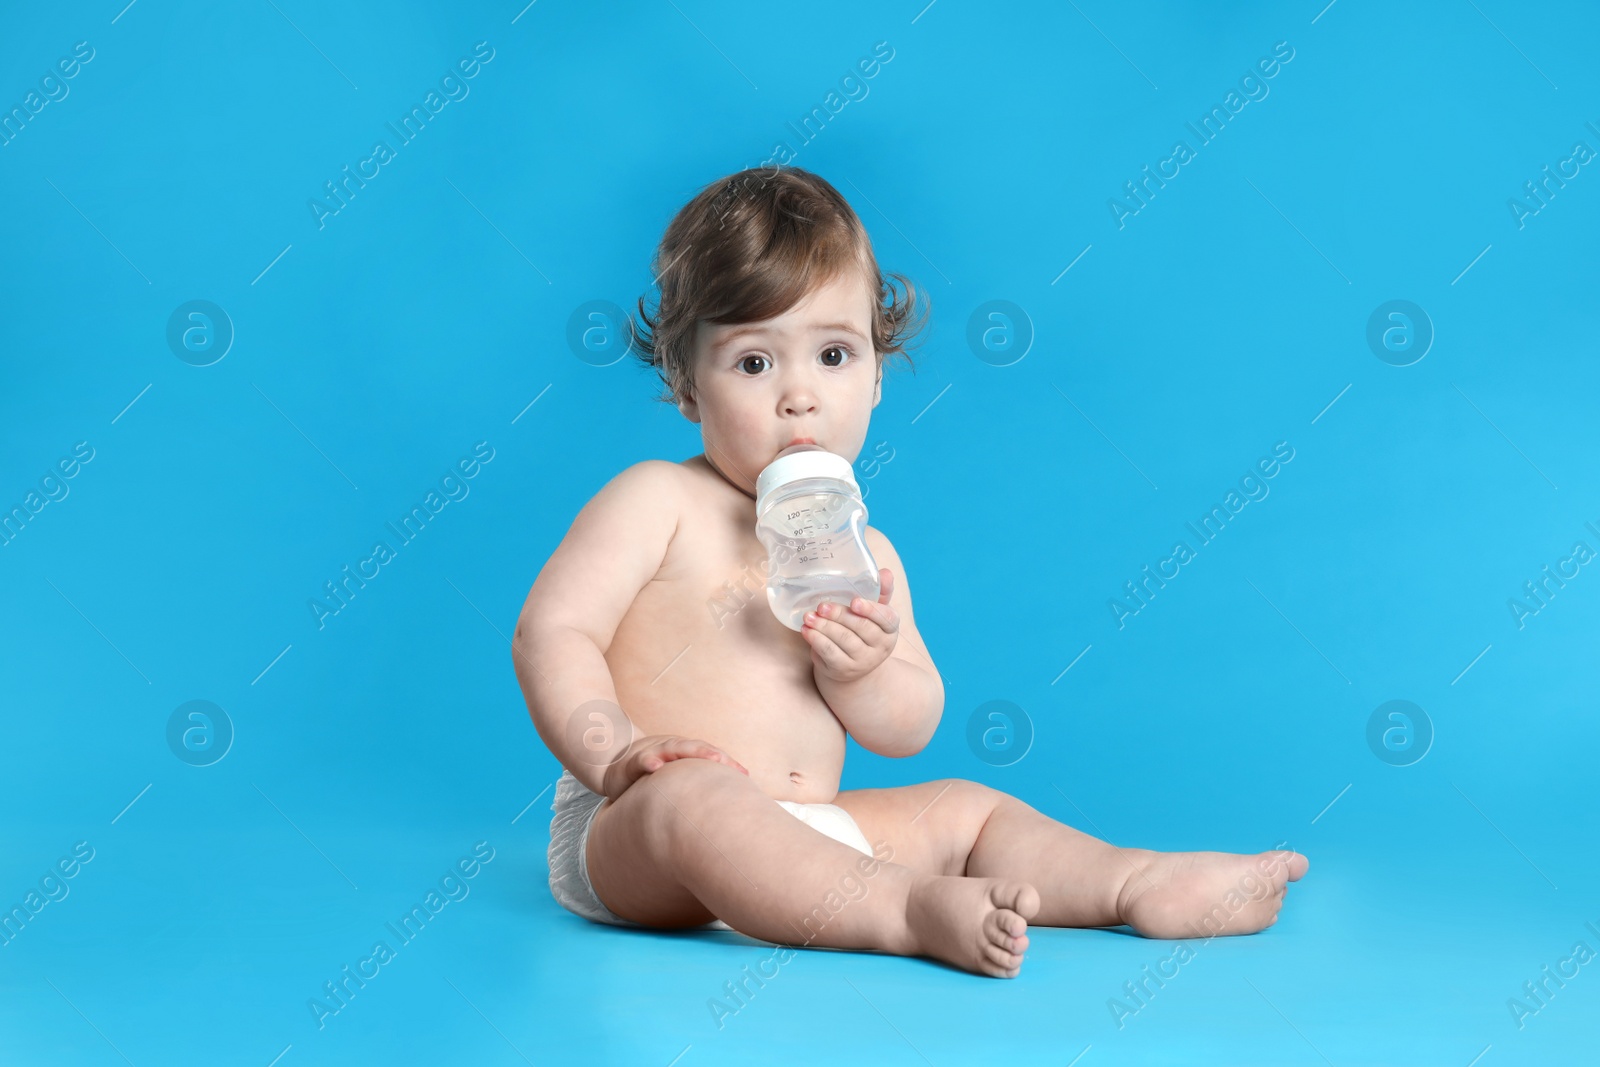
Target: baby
point(703, 740)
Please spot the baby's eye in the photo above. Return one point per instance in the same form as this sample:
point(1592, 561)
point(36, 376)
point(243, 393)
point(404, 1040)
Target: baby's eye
point(848, 355)
point(746, 360)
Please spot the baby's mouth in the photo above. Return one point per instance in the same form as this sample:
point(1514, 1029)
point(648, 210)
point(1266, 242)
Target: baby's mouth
point(804, 446)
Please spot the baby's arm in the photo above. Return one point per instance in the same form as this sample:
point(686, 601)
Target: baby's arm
point(894, 708)
point(614, 548)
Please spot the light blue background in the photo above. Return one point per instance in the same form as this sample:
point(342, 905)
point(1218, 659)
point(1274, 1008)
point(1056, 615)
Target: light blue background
point(371, 354)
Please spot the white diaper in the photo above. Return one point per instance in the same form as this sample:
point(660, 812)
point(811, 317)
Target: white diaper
point(830, 820)
point(574, 807)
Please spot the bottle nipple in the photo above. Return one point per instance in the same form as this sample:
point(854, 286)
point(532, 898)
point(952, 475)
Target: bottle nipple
point(792, 449)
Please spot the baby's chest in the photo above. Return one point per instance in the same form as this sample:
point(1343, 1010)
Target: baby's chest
point(720, 599)
point(707, 607)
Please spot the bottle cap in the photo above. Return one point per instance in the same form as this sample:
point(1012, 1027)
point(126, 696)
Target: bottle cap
point(816, 463)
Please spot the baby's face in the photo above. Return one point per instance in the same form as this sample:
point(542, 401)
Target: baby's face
point(809, 373)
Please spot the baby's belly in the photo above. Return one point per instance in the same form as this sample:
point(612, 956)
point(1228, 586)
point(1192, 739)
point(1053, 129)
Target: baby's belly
point(756, 704)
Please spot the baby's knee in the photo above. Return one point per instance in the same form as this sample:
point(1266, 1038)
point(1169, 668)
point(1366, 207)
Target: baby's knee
point(683, 794)
point(966, 792)
point(689, 776)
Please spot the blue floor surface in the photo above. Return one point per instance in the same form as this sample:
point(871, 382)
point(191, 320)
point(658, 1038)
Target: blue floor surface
point(220, 383)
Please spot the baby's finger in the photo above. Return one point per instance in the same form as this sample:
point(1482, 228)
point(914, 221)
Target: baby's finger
point(877, 632)
point(722, 757)
point(879, 613)
point(867, 629)
point(843, 634)
point(830, 654)
point(706, 750)
point(693, 750)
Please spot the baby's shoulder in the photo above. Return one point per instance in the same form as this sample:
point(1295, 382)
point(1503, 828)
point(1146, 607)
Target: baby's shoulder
point(637, 502)
point(649, 480)
point(878, 543)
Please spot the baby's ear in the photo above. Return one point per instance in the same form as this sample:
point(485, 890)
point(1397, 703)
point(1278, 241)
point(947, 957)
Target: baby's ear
point(688, 408)
point(877, 389)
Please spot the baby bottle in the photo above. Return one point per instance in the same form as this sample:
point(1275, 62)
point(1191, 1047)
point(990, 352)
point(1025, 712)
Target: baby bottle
point(810, 517)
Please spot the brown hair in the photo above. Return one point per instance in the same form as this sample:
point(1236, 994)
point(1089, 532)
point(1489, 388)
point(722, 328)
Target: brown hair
point(751, 246)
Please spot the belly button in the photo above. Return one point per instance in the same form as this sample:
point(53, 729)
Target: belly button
point(795, 776)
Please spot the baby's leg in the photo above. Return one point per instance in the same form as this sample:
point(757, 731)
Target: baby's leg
point(1084, 881)
point(697, 839)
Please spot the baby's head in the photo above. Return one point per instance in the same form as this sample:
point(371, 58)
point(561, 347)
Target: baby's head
point(774, 321)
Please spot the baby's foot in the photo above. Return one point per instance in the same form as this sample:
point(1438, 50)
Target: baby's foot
point(977, 924)
point(1202, 894)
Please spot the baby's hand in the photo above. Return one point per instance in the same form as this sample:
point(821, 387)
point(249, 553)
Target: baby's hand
point(848, 643)
point(649, 754)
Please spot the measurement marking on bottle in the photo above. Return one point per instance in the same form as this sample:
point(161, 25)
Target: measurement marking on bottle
point(822, 534)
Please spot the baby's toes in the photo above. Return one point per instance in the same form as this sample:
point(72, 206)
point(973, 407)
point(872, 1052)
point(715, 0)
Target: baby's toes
point(1019, 897)
point(1290, 866)
point(1005, 942)
point(1002, 963)
point(1007, 930)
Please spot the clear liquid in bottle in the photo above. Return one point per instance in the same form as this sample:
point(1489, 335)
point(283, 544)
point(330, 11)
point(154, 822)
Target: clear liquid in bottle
point(811, 519)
